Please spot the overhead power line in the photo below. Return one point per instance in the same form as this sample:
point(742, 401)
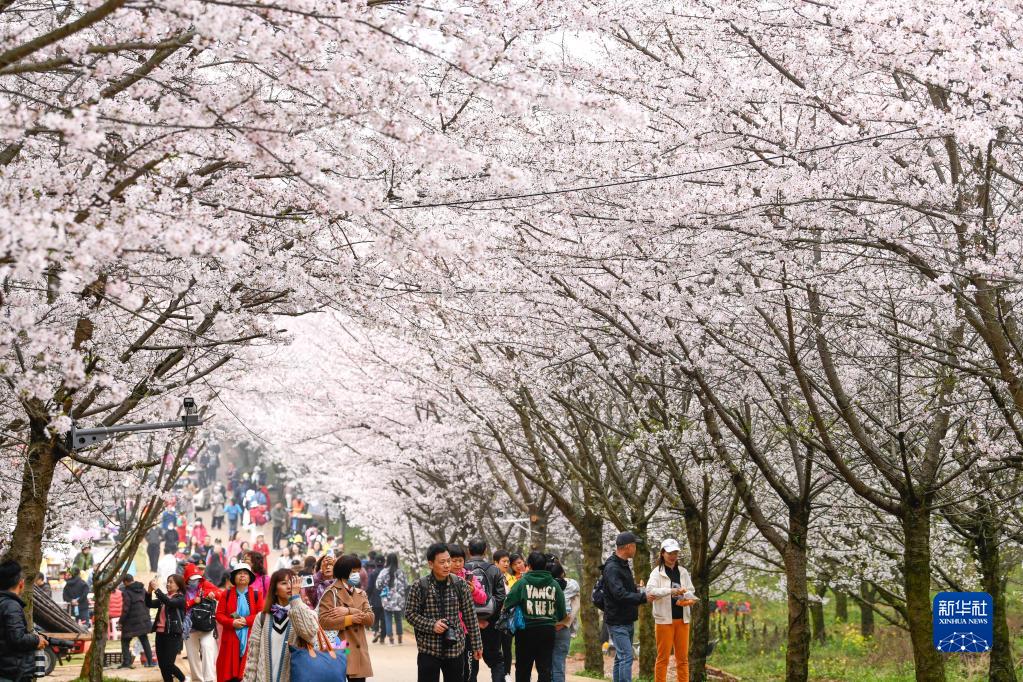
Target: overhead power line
point(652, 178)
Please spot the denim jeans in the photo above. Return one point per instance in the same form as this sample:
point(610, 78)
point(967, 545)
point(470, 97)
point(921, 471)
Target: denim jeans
point(392, 623)
point(621, 640)
point(562, 643)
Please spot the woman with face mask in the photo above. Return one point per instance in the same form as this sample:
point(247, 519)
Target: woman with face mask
point(345, 608)
point(323, 578)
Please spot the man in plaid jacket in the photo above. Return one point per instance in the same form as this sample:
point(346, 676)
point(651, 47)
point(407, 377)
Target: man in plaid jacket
point(439, 603)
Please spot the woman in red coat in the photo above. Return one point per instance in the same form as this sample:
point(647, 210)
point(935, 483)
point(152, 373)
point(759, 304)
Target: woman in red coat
point(236, 612)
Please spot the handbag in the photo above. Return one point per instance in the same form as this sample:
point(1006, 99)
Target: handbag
point(325, 665)
point(512, 620)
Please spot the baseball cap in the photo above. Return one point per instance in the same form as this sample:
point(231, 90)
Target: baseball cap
point(670, 545)
point(626, 538)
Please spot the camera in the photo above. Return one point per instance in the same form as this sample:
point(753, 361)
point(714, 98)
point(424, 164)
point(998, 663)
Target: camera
point(190, 418)
point(450, 637)
point(307, 581)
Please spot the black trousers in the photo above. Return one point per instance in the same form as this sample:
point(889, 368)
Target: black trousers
point(431, 667)
point(506, 651)
point(167, 649)
point(534, 646)
point(126, 649)
point(378, 621)
point(153, 552)
point(493, 655)
point(278, 534)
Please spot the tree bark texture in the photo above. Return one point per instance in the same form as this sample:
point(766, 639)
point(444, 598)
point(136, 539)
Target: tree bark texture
point(645, 630)
point(797, 650)
point(591, 532)
point(993, 577)
point(92, 666)
point(841, 606)
point(817, 613)
point(26, 542)
point(916, 525)
point(867, 613)
point(699, 627)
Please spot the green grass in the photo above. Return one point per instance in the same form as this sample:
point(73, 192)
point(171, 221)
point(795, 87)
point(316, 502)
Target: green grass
point(846, 655)
point(356, 542)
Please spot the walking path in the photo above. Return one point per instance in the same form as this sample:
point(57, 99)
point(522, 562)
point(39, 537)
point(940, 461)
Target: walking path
point(390, 664)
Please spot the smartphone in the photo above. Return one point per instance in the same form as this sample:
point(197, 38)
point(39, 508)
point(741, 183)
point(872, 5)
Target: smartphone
point(307, 581)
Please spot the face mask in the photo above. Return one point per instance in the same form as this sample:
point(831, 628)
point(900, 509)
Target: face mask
point(354, 580)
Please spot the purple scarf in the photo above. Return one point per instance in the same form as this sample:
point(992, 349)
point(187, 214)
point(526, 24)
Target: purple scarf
point(279, 613)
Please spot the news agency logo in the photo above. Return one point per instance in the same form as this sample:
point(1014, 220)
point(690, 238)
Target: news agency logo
point(963, 622)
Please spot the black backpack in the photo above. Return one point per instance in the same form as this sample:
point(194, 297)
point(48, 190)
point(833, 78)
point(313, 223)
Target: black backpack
point(487, 609)
point(204, 615)
point(597, 596)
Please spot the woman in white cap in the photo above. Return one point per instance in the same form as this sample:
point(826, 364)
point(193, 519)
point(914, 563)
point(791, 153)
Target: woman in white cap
point(673, 590)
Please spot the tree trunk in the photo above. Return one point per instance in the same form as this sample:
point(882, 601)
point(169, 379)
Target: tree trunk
point(26, 542)
point(916, 525)
point(591, 536)
point(797, 650)
point(92, 666)
point(817, 613)
point(699, 630)
point(988, 551)
point(647, 640)
point(537, 528)
point(699, 626)
point(841, 606)
point(866, 613)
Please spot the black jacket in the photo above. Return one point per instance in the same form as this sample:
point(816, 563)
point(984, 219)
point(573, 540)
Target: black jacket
point(175, 607)
point(154, 536)
point(371, 589)
point(17, 643)
point(495, 577)
point(76, 588)
point(135, 620)
point(621, 598)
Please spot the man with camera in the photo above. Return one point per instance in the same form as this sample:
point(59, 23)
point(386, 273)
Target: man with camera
point(441, 611)
point(17, 643)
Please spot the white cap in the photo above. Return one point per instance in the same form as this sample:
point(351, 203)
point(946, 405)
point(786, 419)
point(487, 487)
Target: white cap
point(670, 545)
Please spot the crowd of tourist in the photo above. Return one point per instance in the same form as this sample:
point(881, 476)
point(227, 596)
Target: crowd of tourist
point(234, 606)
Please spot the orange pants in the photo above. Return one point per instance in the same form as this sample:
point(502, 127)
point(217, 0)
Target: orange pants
point(674, 636)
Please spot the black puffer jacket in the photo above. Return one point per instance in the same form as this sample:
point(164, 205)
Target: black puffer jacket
point(17, 643)
point(135, 620)
point(621, 598)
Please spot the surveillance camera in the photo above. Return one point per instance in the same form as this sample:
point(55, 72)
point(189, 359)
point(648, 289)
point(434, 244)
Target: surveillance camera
point(191, 416)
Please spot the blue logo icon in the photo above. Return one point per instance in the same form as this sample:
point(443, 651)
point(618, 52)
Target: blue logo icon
point(963, 622)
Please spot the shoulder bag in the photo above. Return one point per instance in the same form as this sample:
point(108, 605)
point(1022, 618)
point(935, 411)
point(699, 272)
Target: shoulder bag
point(324, 665)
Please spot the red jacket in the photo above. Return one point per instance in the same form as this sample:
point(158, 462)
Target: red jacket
point(206, 588)
point(230, 661)
point(262, 548)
